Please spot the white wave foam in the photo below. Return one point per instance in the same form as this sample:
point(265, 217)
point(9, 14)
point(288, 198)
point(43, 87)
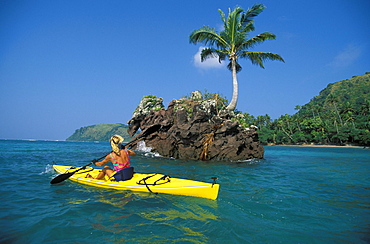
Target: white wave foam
point(48, 169)
point(141, 147)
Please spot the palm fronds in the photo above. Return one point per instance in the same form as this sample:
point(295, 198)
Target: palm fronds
point(233, 43)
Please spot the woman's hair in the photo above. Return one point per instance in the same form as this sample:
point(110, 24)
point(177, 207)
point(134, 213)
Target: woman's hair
point(114, 141)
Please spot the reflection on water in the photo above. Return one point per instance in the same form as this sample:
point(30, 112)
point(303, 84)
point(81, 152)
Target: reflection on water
point(134, 213)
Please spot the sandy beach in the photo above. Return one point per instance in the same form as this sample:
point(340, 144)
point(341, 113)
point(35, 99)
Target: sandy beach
point(314, 145)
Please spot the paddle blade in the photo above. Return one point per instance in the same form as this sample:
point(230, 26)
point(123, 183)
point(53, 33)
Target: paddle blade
point(61, 178)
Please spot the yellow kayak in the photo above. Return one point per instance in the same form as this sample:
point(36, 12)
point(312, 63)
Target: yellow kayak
point(156, 183)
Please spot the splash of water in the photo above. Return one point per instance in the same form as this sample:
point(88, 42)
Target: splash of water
point(141, 146)
point(48, 169)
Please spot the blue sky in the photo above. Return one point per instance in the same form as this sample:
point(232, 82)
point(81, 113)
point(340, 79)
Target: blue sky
point(69, 64)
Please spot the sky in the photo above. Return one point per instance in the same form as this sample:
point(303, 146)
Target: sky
point(74, 63)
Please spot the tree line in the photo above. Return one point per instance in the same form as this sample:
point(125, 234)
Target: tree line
point(329, 127)
point(339, 115)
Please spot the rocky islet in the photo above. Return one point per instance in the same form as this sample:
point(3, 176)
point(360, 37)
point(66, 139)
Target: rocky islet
point(195, 128)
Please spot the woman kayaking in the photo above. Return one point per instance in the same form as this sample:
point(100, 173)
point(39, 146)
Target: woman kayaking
point(120, 158)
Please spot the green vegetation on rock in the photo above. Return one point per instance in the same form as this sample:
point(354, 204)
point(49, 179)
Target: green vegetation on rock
point(102, 132)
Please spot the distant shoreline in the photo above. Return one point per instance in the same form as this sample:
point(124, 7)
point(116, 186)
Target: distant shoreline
point(314, 145)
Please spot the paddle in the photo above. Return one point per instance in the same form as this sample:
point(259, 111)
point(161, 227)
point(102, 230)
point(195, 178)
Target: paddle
point(63, 177)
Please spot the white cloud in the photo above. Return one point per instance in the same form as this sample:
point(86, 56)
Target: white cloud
point(207, 64)
point(346, 57)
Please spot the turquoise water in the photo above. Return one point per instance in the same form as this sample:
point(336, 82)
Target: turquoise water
point(295, 195)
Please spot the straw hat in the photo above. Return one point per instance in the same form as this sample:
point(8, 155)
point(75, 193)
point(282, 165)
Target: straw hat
point(114, 141)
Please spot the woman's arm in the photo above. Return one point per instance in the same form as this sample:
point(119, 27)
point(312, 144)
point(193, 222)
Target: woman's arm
point(131, 153)
point(104, 161)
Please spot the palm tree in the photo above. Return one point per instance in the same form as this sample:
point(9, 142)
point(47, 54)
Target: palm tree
point(232, 43)
point(333, 99)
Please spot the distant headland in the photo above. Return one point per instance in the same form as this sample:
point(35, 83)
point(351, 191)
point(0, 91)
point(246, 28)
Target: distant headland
point(101, 132)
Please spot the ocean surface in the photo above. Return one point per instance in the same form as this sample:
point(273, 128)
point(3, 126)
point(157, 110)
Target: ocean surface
point(294, 195)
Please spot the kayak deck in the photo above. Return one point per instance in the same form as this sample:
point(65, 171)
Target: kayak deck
point(156, 183)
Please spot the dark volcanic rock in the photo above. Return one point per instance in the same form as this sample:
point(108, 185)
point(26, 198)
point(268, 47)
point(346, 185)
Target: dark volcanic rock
point(194, 129)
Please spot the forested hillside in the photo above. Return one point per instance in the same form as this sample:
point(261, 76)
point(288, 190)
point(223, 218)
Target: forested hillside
point(102, 132)
point(340, 114)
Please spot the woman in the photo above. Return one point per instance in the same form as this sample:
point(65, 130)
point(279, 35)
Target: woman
point(119, 157)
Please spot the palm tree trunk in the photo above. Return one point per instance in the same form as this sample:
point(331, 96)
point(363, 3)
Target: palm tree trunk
point(291, 138)
point(340, 118)
point(234, 100)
